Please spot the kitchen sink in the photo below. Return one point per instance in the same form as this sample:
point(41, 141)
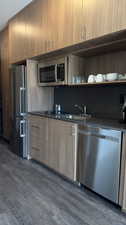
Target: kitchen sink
point(77, 117)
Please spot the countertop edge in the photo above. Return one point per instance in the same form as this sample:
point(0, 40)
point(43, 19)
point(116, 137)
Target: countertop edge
point(95, 122)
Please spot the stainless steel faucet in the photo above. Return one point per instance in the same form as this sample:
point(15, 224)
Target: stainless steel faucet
point(82, 108)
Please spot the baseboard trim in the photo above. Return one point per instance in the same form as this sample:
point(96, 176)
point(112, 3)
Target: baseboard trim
point(5, 139)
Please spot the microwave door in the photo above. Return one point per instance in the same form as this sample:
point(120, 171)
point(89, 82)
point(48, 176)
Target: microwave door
point(61, 72)
point(47, 75)
point(53, 74)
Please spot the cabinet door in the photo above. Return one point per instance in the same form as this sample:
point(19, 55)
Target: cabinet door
point(67, 134)
point(35, 137)
point(18, 37)
point(121, 15)
point(62, 147)
point(74, 23)
point(36, 14)
point(45, 26)
point(103, 17)
point(68, 25)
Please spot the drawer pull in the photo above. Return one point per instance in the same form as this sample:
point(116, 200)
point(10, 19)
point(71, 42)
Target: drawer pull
point(33, 126)
point(36, 149)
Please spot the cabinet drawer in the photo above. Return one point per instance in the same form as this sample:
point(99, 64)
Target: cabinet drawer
point(36, 153)
point(65, 128)
point(38, 127)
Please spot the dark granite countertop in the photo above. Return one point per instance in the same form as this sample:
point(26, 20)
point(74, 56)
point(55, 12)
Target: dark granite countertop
point(96, 122)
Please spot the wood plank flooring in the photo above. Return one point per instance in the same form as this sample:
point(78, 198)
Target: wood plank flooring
point(33, 195)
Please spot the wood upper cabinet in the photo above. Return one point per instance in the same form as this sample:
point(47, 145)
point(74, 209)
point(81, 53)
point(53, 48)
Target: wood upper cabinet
point(17, 39)
point(69, 23)
point(44, 26)
point(121, 16)
point(103, 17)
point(48, 25)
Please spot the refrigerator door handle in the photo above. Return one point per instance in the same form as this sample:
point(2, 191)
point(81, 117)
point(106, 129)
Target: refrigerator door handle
point(22, 113)
point(22, 128)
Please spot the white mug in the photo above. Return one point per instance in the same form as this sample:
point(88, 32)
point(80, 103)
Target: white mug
point(99, 78)
point(91, 79)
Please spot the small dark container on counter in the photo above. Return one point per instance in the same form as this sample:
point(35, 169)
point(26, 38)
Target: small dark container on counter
point(123, 102)
point(123, 120)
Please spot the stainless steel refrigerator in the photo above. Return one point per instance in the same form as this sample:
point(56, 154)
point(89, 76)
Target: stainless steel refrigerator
point(19, 111)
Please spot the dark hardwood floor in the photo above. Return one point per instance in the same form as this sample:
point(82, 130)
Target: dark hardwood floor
point(33, 195)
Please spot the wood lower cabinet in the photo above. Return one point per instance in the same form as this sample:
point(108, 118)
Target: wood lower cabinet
point(54, 143)
point(38, 138)
point(66, 134)
point(62, 147)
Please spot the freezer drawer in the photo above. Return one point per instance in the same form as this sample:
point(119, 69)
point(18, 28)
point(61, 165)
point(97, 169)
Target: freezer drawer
point(19, 138)
point(99, 156)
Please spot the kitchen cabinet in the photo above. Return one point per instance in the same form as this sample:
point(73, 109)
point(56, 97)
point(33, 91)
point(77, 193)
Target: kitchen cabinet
point(17, 38)
point(38, 138)
point(54, 143)
point(5, 83)
point(62, 147)
point(47, 25)
point(103, 17)
point(67, 140)
point(44, 26)
point(70, 23)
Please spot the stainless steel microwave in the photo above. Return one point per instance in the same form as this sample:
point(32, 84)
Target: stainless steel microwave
point(53, 72)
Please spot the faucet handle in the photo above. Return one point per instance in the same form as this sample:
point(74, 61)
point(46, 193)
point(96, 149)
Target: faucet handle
point(84, 109)
point(79, 107)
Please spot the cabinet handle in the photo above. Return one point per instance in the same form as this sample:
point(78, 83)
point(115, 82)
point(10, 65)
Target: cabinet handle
point(33, 126)
point(83, 33)
point(22, 128)
point(73, 131)
point(22, 110)
point(36, 149)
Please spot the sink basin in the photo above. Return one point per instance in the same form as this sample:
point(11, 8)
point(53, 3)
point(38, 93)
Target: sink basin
point(77, 117)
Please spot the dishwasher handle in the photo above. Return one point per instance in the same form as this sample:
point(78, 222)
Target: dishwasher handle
point(110, 138)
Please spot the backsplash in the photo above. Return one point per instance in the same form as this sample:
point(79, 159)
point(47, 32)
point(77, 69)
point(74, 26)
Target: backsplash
point(101, 101)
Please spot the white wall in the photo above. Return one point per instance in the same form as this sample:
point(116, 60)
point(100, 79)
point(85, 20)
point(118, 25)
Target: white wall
point(8, 8)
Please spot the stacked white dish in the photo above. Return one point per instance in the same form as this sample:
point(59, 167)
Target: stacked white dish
point(96, 78)
point(111, 76)
point(91, 79)
point(99, 78)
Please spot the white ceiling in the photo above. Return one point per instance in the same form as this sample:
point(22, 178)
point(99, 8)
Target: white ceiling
point(8, 8)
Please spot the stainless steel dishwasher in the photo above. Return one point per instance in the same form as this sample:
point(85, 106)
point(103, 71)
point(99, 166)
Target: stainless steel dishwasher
point(99, 160)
